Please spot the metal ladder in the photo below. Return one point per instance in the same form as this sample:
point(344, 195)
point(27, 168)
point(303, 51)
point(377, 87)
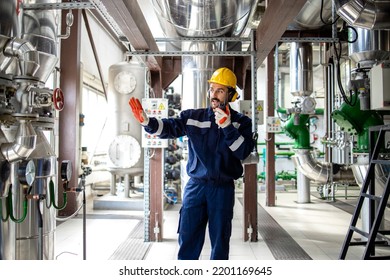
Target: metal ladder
point(374, 236)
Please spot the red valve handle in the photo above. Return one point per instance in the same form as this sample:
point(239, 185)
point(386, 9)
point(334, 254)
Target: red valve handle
point(58, 99)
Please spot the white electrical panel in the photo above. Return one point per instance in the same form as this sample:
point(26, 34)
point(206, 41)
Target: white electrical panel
point(380, 86)
point(274, 125)
point(245, 107)
point(158, 108)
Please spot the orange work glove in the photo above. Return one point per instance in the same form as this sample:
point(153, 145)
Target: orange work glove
point(138, 111)
point(222, 117)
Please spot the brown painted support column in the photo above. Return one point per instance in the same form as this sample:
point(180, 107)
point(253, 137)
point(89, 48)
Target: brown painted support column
point(156, 197)
point(250, 184)
point(250, 202)
point(270, 137)
point(69, 117)
point(156, 177)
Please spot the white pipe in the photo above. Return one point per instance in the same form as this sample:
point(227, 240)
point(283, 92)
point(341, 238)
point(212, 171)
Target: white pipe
point(303, 188)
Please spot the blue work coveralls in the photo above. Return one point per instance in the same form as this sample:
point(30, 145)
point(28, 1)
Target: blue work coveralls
point(214, 162)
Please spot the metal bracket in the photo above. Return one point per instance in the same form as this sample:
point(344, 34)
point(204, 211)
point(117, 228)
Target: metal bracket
point(59, 6)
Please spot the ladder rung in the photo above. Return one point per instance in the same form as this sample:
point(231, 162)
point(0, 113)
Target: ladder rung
point(363, 233)
point(373, 197)
point(381, 161)
point(357, 243)
point(363, 243)
point(379, 257)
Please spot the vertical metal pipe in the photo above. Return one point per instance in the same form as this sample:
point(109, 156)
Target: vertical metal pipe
point(253, 81)
point(84, 221)
point(270, 152)
point(303, 185)
point(196, 70)
point(40, 230)
point(250, 190)
point(301, 69)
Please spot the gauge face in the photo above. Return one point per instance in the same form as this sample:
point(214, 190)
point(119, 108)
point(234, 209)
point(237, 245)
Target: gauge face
point(66, 170)
point(30, 173)
point(124, 151)
point(125, 82)
point(148, 77)
point(26, 172)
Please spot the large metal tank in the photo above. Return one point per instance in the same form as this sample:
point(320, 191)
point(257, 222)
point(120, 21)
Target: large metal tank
point(35, 237)
point(28, 56)
point(125, 80)
point(29, 232)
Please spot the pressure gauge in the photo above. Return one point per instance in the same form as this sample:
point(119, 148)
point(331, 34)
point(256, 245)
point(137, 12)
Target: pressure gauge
point(66, 170)
point(124, 151)
point(26, 172)
point(125, 82)
point(148, 78)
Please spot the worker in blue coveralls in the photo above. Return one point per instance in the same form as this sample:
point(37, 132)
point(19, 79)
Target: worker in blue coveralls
point(218, 139)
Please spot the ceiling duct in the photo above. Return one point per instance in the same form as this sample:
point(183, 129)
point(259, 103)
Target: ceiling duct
point(365, 13)
point(201, 19)
point(310, 18)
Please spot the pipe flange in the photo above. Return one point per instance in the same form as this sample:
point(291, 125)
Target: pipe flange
point(25, 116)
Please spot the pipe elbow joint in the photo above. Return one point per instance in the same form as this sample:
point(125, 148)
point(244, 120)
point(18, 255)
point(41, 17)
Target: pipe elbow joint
point(14, 152)
point(24, 144)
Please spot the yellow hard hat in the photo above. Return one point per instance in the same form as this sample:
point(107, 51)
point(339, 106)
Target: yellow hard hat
point(224, 76)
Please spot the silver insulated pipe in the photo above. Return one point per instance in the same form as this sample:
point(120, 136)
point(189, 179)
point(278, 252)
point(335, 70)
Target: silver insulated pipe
point(369, 47)
point(365, 13)
point(321, 172)
point(201, 18)
point(301, 69)
point(40, 28)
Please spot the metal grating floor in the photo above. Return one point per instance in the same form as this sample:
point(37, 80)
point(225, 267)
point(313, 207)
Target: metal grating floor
point(134, 247)
point(280, 243)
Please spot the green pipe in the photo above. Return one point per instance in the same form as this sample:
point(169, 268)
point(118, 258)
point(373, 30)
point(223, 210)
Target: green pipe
point(1, 211)
point(11, 211)
point(52, 197)
point(299, 132)
point(289, 154)
point(357, 122)
point(283, 175)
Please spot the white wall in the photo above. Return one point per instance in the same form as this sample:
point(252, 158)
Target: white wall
point(94, 133)
point(109, 52)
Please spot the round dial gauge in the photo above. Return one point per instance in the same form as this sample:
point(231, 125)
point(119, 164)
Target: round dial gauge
point(125, 82)
point(148, 77)
point(66, 170)
point(26, 172)
point(124, 151)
